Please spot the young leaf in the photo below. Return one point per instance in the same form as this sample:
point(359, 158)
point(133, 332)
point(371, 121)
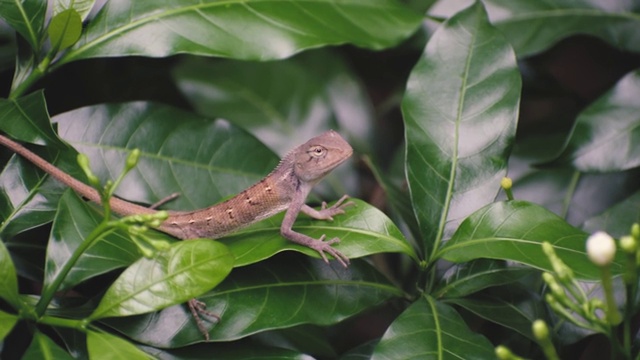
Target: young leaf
point(64, 29)
point(460, 111)
point(606, 136)
point(363, 230)
point(9, 279)
point(26, 17)
point(106, 346)
point(187, 269)
point(515, 230)
point(74, 221)
point(258, 30)
point(27, 119)
point(533, 26)
point(281, 292)
point(7, 321)
point(430, 329)
point(42, 347)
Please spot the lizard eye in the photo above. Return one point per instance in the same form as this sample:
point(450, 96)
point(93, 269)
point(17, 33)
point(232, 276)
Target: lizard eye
point(316, 151)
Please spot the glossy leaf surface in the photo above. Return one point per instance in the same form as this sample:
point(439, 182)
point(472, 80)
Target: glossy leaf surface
point(106, 346)
point(254, 29)
point(279, 293)
point(430, 329)
point(606, 136)
point(43, 347)
point(363, 230)
point(9, 279)
point(187, 269)
point(74, 221)
point(459, 132)
point(7, 321)
point(26, 17)
point(515, 230)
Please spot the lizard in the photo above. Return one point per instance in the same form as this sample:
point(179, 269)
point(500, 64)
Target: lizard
point(284, 189)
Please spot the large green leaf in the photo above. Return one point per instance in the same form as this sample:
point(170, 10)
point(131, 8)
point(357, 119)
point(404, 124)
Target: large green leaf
point(27, 197)
point(363, 230)
point(511, 306)
point(187, 269)
point(515, 230)
point(8, 280)
point(75, 220)
point(473, 276)
point(253, 29)
point(26, 17)
point(27, 119)
point(617, 220)
point(279, 293)
point(279, 102)
point(43, 347)
point(103, 346)
point(430, 329)
point(7, 321)
point(460, 112)
point(606, 136)
point(534, 26)
point(203, 160)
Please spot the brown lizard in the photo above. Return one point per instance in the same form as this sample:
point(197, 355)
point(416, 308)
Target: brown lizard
point(285, 188)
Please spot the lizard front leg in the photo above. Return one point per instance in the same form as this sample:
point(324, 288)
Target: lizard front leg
point(327, 213)
point(319, 245)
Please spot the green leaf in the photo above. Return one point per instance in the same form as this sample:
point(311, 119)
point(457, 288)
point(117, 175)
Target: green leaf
point(363, 230)
point(460, 111)
point(203, 160)
point(64, 29)
point(511, 306)
point(9, 279)
point(82, 7)
point(430, 329)
point(26, 17)
point(187, 269)
point(42, 347)
point(280, 102)
point(279, 293)
point(74, 221)
point(473, 276)
point(533, 26)
point(102, 346)
point(606, 136)
point(515, 230)
point(254, 29)
point(616, 220)
point(7, 321)
point(27, 119)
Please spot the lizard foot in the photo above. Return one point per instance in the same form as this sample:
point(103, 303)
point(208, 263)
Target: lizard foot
point(327, 212)
point(322, 246)
point(197, 309)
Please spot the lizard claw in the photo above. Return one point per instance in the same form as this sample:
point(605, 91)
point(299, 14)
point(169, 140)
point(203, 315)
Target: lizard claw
point(322, 246)
point(198, 308)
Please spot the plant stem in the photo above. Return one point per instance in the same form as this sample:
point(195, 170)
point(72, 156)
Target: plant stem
point(47, 295)
point(573, 184)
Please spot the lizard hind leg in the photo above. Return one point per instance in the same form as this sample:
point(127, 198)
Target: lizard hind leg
point(198, 311)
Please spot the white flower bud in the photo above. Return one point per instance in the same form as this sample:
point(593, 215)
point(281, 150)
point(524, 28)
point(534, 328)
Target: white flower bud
point(601, 248)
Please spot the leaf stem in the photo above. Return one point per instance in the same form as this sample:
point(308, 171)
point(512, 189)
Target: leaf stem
point(571, 189)
point(100, 231)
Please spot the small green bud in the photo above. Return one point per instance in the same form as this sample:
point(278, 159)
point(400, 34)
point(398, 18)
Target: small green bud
point(540, 330)
point(132, 159)
point(601, 248)
point(635, 230)
point(503, 353)
point(83, 161)
point(506, 183)
point(564, 273)
point(629, 244)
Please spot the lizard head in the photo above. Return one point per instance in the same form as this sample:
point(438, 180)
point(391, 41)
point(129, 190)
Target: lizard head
point(318, 156)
